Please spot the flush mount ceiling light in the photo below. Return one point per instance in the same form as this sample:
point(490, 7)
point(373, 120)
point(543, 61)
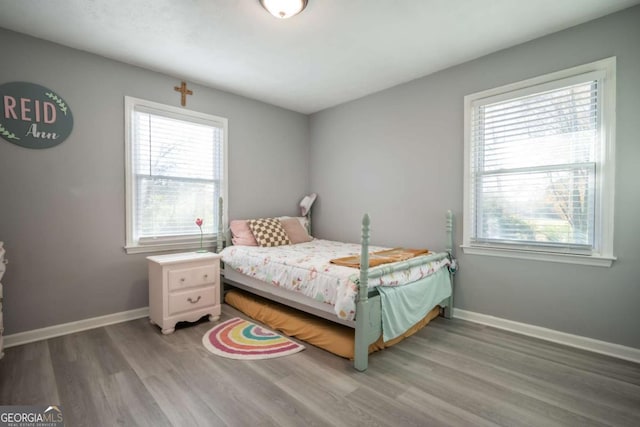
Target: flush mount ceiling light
point(284, 9)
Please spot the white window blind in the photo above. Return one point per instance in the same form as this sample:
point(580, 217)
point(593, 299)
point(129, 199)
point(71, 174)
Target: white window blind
point(534, 174)
point(536, 167)
point(177, 173)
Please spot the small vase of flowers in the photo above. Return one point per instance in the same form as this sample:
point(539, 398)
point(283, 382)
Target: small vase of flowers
point(199, 222)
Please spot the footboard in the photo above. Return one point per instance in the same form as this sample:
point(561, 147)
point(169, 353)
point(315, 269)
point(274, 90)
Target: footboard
point(368, 322)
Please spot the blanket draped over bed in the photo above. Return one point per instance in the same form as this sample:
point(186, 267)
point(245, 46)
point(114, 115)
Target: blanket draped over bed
point(381, 257)
point(406, 305)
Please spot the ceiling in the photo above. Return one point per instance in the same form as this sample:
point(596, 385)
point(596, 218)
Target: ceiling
point(333, 52)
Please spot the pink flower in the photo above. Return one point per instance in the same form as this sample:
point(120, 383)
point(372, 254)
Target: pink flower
point(199, 222)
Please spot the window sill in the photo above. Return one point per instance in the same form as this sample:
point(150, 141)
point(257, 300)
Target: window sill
point(141, 249)
point(595, 261)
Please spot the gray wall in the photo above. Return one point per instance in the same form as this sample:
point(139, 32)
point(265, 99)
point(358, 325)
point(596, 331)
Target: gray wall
point(398, 154)
point(62, 209)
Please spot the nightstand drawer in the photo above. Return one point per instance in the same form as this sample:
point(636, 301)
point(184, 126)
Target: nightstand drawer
point(188, 277)
point(191, 300)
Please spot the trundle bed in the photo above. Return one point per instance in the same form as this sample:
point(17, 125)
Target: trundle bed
point(385, 300)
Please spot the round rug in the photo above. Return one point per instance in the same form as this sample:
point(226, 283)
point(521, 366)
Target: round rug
point(240, 339)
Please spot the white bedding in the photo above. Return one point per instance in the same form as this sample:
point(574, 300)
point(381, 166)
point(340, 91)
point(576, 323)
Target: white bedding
point(305, 268)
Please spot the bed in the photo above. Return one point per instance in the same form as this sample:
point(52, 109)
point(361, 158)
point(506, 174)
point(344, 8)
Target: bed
point(376, 301)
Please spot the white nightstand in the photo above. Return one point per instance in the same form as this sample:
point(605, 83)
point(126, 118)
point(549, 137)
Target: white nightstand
point(183, 287)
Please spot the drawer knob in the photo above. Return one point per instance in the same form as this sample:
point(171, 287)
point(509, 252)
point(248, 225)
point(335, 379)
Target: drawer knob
point(206, 275)
point(192, 301)
point(182, 279)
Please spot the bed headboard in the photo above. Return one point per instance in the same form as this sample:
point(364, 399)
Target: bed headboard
point(223, 237)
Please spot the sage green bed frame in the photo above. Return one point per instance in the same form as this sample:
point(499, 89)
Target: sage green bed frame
point(368, 321)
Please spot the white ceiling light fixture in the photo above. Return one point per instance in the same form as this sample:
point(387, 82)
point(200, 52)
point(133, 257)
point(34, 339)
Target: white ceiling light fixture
point(284, 9)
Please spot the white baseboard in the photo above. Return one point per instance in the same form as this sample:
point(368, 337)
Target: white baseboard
point(72, 327)
point(577, 341)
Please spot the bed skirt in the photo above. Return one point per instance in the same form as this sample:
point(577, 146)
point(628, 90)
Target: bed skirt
point(335, 338)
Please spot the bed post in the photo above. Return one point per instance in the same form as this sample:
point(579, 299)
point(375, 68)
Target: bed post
point(448, 310)
point(450, 232)
point(219, 241)
point(361, 353)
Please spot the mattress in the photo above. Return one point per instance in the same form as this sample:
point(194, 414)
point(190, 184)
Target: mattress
point(305, 268)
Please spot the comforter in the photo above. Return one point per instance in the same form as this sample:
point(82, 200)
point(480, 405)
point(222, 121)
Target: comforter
point(306, 268)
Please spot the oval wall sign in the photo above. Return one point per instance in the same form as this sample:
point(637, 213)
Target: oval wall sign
point(33, 116)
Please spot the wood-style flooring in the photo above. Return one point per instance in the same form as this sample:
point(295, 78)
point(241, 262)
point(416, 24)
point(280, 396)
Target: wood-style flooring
point(452, 373)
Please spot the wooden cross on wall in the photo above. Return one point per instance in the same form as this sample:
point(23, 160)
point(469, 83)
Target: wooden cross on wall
point(184, 92)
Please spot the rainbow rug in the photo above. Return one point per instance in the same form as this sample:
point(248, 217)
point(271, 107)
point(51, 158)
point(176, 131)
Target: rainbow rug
point(240, 339)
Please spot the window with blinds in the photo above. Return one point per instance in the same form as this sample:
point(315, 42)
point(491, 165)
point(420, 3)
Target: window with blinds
point(538, 165)
point(176, 173)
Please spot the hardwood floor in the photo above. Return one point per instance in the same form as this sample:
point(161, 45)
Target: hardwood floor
point(452, 373)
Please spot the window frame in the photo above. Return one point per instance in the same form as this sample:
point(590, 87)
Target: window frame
point(605, 167)
point(169, 243)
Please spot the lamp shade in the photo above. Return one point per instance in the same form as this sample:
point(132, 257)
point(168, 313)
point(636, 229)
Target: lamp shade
point(306, 203)
point(284, 9)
